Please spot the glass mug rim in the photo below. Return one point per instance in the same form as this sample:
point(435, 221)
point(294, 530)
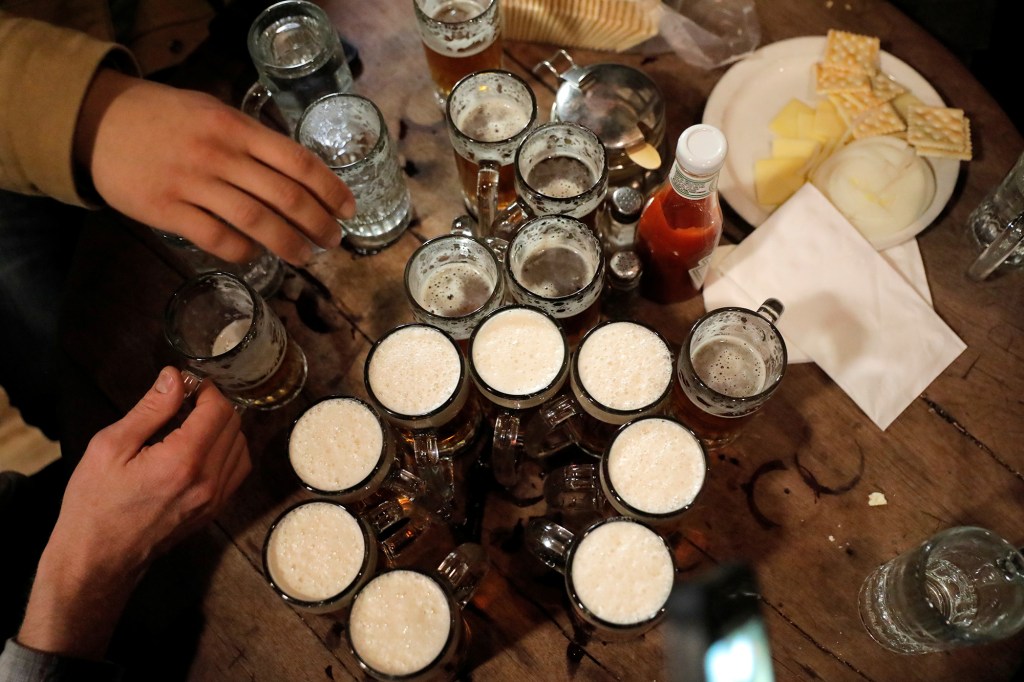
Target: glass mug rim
point(602, 179)
point(563, 219)
point(382, 128)
point(454, 620)
point(369, 540)
point(175, 303)
point(486, 388)
point(425, 18)
point(448, 402)
point(382, 459)
point(583, 393)
point(498, 291)
point(609, 488)
point(324, 29)
point(684, 360)
point(454, 129)
point(570, 587)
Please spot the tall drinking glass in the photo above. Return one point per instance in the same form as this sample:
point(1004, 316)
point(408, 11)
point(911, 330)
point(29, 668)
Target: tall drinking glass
point(349, 133)
point(459, 37)
point(488, 113)
point(298, 57)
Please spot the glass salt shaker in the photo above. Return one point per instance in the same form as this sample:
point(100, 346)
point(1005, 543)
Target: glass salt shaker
point(622, 285)
point(625, 204)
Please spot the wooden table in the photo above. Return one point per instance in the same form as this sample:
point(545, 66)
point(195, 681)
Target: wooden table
point(790, 497)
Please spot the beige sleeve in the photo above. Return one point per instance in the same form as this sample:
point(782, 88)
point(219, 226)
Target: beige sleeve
point(45, 72)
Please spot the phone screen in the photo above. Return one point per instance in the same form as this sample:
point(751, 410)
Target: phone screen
point(740, 655)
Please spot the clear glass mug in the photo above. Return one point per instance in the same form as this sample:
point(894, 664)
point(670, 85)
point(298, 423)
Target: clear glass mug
point(452, 282)
point(458, 39)
point(417, 375)
point(408, 624)
point(489, 113)
point(561, 168)
point(341, 447)
point(317, 553)
point(731, 363)
point(298, 57)
point(349, 134)
point(652, 471)
point(997, 225)
point(519, 359)
point(618, 572)
point(224, 330)
point(557, 264)
point(621, 370)
point(960, 587)
point(264, 273)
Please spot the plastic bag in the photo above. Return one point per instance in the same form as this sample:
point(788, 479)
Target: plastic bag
point(708, 33)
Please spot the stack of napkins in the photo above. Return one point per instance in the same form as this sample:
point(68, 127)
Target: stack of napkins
point(848, 309)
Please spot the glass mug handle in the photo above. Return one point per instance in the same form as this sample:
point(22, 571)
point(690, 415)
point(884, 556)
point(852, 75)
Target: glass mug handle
point(486, 198)
point(999, 250)
point(549, 542)
point(463, 569)
point(192, 382)
point(437, 472)
point(546, 433)
point(771, 310)
point(467, 226)
point(574, 488)
point(256, 97)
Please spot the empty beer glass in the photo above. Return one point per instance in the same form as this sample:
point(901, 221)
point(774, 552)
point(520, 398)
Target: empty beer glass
point(349, 133)
point(519, 358)
point(407, 624)
point(621, 370)
point(618, 573)
point(298, 57)
point(730, 364)
point(417, 375)
point(224, 330)
point(560, 168)
point(556, 263)
point(452, 282)
point(459, 37)
point(488, 113)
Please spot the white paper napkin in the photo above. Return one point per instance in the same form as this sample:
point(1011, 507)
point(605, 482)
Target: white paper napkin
point(847, 308)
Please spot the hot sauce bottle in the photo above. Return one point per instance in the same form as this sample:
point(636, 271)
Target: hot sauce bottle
point(682, 223)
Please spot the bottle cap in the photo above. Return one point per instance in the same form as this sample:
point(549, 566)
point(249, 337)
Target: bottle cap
point(624, 269)
point(626, 205)
point(701, 149)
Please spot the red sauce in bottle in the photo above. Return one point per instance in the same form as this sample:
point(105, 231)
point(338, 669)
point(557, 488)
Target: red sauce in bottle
point(681, 225)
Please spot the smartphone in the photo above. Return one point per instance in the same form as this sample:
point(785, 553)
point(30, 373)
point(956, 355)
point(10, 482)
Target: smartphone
point(714, 631)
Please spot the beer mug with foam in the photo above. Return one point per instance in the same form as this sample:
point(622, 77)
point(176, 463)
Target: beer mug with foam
point(730, 364)
point(557, 264)
point(652, 471)
point(298, 57)
point(519, 358)
point(561, 168)
point(452, 282)
point(317, 553)
point(621, 370)
point(417, 375)
point(488, 113)
point(408, 624)
point(618, 572)
point(222, 329)
point(458, 39)
point(341, 447)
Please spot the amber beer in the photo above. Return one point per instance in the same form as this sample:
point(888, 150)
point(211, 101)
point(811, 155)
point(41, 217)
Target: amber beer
point(459, 38)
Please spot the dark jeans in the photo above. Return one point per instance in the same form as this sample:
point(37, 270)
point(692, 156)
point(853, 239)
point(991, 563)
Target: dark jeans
point(37, 241)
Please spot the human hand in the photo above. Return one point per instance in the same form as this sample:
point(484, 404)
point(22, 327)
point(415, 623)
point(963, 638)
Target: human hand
point(126, 502)
point(184, 162)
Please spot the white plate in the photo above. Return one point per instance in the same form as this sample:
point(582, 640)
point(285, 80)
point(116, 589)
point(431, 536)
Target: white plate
point(752, 93)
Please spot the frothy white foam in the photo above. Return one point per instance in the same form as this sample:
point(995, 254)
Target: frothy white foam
point(335, 444)
point(622, 572)
point(656, 466)
point(625, 366)
point(493, 120)
point(315, 551)
point(400, 622)
point(415, 370)
point(230, 336)
point(518, 351)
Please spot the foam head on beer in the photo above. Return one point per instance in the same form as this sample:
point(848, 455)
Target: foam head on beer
point(400, 622)
point(415, 370)
point(336, 444)
point(624, 366)
point(518, 351)
point(315, 551)
point(656, 465)
point(622, 572)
